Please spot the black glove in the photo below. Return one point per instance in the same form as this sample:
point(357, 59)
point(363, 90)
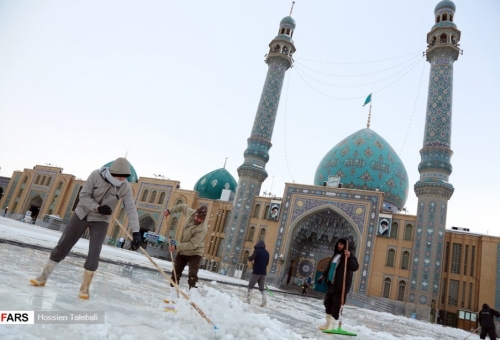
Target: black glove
point(136, 242)
point(320, 279)
point(104, 210)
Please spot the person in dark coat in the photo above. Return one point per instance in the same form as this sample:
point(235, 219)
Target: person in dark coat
point(334, 276)
point(260, 258)
point(486, 321)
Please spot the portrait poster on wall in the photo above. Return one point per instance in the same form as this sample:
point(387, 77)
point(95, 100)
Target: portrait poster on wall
point(274, 211)
point(384, 226)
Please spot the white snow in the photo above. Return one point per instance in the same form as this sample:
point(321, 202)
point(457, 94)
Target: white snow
point(132, 300)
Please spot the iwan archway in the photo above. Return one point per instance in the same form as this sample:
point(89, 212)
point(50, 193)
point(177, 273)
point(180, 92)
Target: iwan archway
point(312, 242)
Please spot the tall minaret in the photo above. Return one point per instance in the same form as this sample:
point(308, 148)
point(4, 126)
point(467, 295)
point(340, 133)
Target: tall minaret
point(433, 189)
point(252, 172)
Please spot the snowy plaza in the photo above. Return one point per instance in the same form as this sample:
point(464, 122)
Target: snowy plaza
point(130, 292)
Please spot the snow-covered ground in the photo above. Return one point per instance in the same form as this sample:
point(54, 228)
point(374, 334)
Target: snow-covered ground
point(131, 298)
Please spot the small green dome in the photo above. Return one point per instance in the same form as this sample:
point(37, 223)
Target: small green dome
point(364, 160)
point(211, 185)
point(133, 178)
point(288, 22)
point(445, 3)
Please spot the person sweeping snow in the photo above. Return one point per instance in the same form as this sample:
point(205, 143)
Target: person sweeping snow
point(98, 198)
point(334, 276)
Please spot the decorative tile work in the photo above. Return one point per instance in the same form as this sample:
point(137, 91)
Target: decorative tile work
point(252, 172)
point(75, 192)
point(366, 161)
point(299, 202)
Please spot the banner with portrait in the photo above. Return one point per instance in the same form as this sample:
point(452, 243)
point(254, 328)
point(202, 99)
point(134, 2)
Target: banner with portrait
point(384, 226)
point(274, 211)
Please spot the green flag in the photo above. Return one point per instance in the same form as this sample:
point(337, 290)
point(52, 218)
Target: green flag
point(368, 99)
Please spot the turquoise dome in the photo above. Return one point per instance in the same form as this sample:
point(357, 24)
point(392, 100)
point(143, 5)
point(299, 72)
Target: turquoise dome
point(364, 160)
point(133, 178)
point(288, 21)
point(211, 185)
point(445, 3)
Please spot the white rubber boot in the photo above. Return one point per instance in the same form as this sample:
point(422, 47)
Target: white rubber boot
point(327, 323)
point(47, 270)
point(333, 324)
point(88, 275)
point(264, 302)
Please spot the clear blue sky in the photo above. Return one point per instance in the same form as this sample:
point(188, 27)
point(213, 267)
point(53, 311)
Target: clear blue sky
point(177, 83)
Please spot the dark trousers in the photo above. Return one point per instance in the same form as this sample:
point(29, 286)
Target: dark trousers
point(304, 287)
point(488, 330)
point(193, 261)
point(73, 232)
point(333, 300)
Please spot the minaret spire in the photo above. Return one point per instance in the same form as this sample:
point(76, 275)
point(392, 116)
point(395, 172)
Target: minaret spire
point(291, 10)
point(433, 188)
point(225, 163)
point(253, 172)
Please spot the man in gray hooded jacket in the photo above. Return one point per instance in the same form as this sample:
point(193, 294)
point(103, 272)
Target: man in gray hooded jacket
point(98, 198)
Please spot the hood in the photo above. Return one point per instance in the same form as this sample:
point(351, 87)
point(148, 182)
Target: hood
point(260, 244)
point(341, 240)
point(485, 305)
point(120, 167)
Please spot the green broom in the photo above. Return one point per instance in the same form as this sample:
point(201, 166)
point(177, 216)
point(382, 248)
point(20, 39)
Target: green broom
point(339, 330)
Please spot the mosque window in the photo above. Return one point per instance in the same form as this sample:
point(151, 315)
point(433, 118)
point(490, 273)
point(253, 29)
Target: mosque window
point(49, 180)
point(446, 257)
point(456, 258)
point(37, 179)
point(153, 197)
point(387, 288)
point(262, 235)
point(59, 186)
point(162, 198)
point(438, 19)
point(464, 287)
point(405, 261)
point(43, 180)
point(256, 211)
point(26, 179)
point(391, 254)
point(401, 290)
point(179, 201)
point(472, 260)
point(453, 293)
point(282, 31)
point(443, 289)
point(470, 295)
point(277, 48)
point(250, 234)
point(408, 232)
point(445, 17)
point(144, 195)
point(291, 34)
point(443, 38)
point(465, 258)
point(245, 257)
point(451, 17)
point(394, 230)
point(173, 226)
point(288, 31)
point(266, 212)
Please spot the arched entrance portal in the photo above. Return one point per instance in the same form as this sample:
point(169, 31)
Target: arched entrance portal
point(146, 223)
point(34, 206)
point(313, 241)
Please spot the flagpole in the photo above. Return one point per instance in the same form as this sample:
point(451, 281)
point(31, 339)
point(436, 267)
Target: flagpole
point(369, 115)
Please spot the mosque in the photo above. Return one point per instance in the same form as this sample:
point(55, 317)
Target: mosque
point(409, 264)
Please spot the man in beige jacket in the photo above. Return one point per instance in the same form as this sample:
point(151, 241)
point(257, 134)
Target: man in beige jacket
point(98, 198)
point(191, 246)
